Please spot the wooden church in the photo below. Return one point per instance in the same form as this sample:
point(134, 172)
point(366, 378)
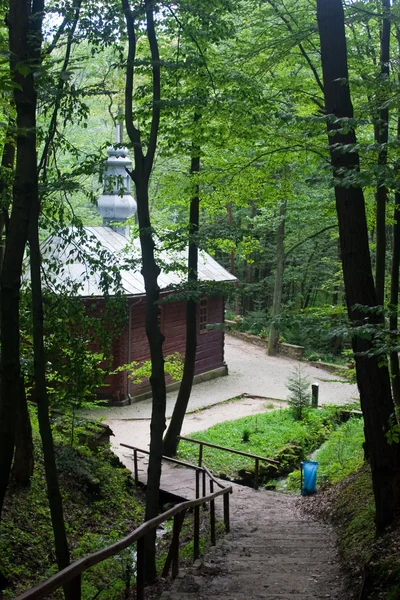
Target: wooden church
point(116, 205)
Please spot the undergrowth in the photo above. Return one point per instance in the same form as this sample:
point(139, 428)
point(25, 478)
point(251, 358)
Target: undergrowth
point(100, 506)
point(339, 456)
point(273, 435)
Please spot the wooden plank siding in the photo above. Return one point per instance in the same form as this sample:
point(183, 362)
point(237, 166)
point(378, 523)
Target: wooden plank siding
point(210, 343)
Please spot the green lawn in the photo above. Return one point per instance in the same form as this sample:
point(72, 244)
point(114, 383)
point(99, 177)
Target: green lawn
point(272, 434)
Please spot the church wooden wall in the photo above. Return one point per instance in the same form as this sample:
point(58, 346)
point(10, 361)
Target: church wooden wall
point(210, 344)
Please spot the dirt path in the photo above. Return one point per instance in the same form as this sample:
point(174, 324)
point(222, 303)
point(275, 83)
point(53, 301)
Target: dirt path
point(273, 553)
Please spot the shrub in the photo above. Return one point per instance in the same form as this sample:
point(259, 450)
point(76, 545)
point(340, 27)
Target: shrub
point(300, 395)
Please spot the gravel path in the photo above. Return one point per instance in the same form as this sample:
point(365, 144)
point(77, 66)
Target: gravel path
point(251, 372)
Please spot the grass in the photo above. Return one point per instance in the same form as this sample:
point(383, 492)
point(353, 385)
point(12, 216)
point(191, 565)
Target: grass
point(339, 456)
point(274, 435)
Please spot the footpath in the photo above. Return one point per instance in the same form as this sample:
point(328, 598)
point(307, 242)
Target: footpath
point(273, 552)
point(251, 372)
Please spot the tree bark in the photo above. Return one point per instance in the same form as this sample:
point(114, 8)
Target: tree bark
point(150, 269)
point(22, 469)
point(373, 380)
point(394, 281)
point(24, 23)
point(273, 336)
point(178, 415)
point(381, 138)
point(53, 490)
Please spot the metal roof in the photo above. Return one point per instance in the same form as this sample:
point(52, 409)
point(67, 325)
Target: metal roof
point(78, 260)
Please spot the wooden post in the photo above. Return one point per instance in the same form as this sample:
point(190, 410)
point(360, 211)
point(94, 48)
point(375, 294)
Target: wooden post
point(226, 513)
point(196, 533)
point(75, 587)
point(140, 569)
point(256, 475)
point(204, 485)
point(212, 515)
point(314, 395)
point(200, 455)
point(135, 465)
point(173, 554)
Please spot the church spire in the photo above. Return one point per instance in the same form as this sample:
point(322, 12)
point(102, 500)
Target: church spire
point(116, 204)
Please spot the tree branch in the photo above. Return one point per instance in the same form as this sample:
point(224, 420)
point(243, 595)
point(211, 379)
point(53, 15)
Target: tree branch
point(133, 132)
point(155, 117)
point(310, 237)
point(300, 45)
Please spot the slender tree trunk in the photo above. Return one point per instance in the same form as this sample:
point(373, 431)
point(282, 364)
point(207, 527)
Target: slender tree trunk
point(394, 281)
point(178, 415)
point(53, 490)
point(381, 137)
point(150, 272)
point(22, 469)
point(273, 336)
point(373, 380)
point(150, 269)
point(23, 464)
point(394, 295)
point(24, 22)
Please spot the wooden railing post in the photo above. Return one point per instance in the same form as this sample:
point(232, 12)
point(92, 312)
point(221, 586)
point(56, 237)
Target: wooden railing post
point(196, 533)
point(74, 588)
point(212, 515)
point(135, 465)
point(226, 513)
point(201, 455)
point(256, 475)
point(140, 569)
point(173, 554)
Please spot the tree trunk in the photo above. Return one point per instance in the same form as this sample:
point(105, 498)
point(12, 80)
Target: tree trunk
point(150, 272)
point(22, 469)
point(394, 295)
point(24, 41)
point(373, 380)
point(150, 269)
point(394, 282)
point(53, 490)
point(178, 415)
point(273, 336)
point(381, 138)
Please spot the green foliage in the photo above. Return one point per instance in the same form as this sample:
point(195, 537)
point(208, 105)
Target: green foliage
point(173, 366)
point(341, 455)
point(299, 387)
point(321, 330)
point(100, 505)
point(273, 434)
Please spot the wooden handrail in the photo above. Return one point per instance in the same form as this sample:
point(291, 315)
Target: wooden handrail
point(247, 454)
point(263, 458)
point(167, 458)
point(74, 571)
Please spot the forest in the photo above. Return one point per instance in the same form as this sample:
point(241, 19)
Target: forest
point(264, 132)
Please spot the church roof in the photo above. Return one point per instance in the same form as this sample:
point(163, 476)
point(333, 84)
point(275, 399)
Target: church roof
point(80, 259)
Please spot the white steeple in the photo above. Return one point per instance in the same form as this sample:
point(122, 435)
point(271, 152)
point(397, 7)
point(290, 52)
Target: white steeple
point(116, 204)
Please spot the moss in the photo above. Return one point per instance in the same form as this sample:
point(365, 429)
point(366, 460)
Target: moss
point(100, 506)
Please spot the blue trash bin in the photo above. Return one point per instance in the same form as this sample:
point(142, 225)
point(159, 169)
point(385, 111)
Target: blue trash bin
point(308, 477)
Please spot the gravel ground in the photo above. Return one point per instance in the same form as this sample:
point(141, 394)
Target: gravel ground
point(251, 372)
